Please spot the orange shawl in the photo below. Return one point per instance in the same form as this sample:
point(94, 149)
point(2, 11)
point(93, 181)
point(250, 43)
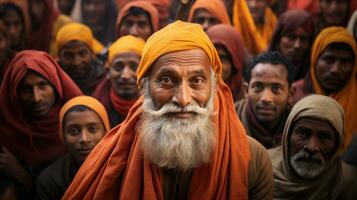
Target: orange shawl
point(214, 7)
point(348, 95)
point(146, 6)
point(256, 39)
point(117, 169)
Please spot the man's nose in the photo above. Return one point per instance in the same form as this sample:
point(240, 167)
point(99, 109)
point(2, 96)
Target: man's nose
point(127, 73)
point(134, 30)
point(313, 144)
point(267, 96)
point(84, 136)
point(183, 95)
point(36, 94)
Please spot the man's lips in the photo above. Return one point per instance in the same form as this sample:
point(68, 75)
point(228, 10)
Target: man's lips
point(182, 115)
point(265, 110)
point(39, 107)
point(84, 151)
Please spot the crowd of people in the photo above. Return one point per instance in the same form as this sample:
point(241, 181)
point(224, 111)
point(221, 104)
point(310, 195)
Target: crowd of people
point(117, 99)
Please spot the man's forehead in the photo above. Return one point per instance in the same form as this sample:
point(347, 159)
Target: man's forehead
point(75, 44)
point(342, 49)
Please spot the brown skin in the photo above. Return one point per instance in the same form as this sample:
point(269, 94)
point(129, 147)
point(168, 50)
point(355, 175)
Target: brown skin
point(37, 12)
point(205, 18)
point(314, 136)
point(36, 96)
point(82, 132)
point(15, 27)
point(10, 166)
point(334, 68)
point(66, 6)
point(4, 49)
point(334, 12)
point(294, 45)
point(268, 92)
point(181, 77)
point(93, 11)
point(136, 25)
point(257, 10)
point(75, 59)
point(227, 65)
point(122, 75)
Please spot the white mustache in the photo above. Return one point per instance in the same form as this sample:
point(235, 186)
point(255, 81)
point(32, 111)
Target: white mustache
point(173, 108)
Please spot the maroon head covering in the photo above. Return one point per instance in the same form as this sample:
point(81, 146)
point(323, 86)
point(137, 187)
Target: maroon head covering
point(40, 39)
point(33, 141)
point(227, 36)
point(288, 22)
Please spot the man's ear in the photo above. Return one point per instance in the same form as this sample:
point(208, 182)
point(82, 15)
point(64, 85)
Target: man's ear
point(245, 88)
point(292, 91)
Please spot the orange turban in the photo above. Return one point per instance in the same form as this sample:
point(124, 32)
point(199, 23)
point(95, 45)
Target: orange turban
point(146, 6)
point(89, 102)
point(214, 7)
point(347, 96)
point(126, 43)
point(117, 168)
point(80, 32)
point(256, 39)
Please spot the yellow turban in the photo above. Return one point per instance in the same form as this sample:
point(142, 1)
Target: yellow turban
point(170, 39)
point(77, 31)
point(126, 43)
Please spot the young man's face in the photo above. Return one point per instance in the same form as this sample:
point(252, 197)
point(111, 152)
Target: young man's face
point(93, 11)
point(334, 12)
point(136, 25)
point(75, 59)
point(334, 68)
point(257, 10)
point(36, 95)
point(122, 75)
point(205, 18)
point(82, 132)
point(268, 91)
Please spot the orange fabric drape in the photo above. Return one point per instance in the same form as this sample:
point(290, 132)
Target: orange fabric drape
point(214, 7)
point(146, 6)
point(348, 95)
point(127, 43)
point(117, 169)
point(34, 141)
point(228, 36)
point(256, 39)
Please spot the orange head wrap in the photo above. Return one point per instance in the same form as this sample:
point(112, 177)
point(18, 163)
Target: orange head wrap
point(146, 6)
point(89, 102)
point(256, 39)
point(80, 32)
point(346, 96)
point(126, 43)
point(117, 168)
point(214, 7)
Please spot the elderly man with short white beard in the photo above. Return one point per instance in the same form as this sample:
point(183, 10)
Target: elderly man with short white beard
point(182, 139)
point(307, 165)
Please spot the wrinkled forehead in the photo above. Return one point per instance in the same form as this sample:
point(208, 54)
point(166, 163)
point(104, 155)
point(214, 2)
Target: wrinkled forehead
point(193, 59)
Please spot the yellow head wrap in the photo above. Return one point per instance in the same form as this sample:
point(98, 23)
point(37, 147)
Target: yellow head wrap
point(74, 31)
point(89, 102)
point(170, 39)
point(126, 43)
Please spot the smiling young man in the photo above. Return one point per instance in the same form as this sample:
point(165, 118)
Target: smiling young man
point(83, 123)
point(181, 139)
point(264, 110)
point(307, 165)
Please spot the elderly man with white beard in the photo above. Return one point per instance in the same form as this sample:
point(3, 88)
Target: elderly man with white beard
point(182, 139)
point(307, 165)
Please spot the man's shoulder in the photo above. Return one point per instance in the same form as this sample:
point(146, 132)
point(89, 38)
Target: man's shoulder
point(55, 170)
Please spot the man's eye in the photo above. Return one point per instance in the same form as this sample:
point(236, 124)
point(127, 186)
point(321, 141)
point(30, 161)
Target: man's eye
point(257, 87)
point(197, 81)
point(72, 131)
point(165, 80)
point(276, 90)
point(92, 129)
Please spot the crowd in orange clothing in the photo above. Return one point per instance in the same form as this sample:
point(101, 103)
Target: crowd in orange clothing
point(81, 78)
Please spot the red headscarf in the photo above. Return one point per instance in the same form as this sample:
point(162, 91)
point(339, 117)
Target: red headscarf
point(229, 37)
point(40, 39)
point(146, 6)
point(34, 142)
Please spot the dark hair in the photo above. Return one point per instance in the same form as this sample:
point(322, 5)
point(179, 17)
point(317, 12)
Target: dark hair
point(77, 108)
point(340, 46)
point(139, 11)
point(271, 57)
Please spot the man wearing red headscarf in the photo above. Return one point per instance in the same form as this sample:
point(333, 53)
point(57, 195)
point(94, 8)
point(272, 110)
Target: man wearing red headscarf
point(182, 138)
point(32, 92)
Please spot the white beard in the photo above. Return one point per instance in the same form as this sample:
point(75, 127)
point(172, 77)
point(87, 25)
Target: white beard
point(176, 143)
point(307, 169)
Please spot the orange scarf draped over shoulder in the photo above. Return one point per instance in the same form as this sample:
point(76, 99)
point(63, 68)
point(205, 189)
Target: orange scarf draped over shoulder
point(117, 169)
point(256, 39)
point(347, 96)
